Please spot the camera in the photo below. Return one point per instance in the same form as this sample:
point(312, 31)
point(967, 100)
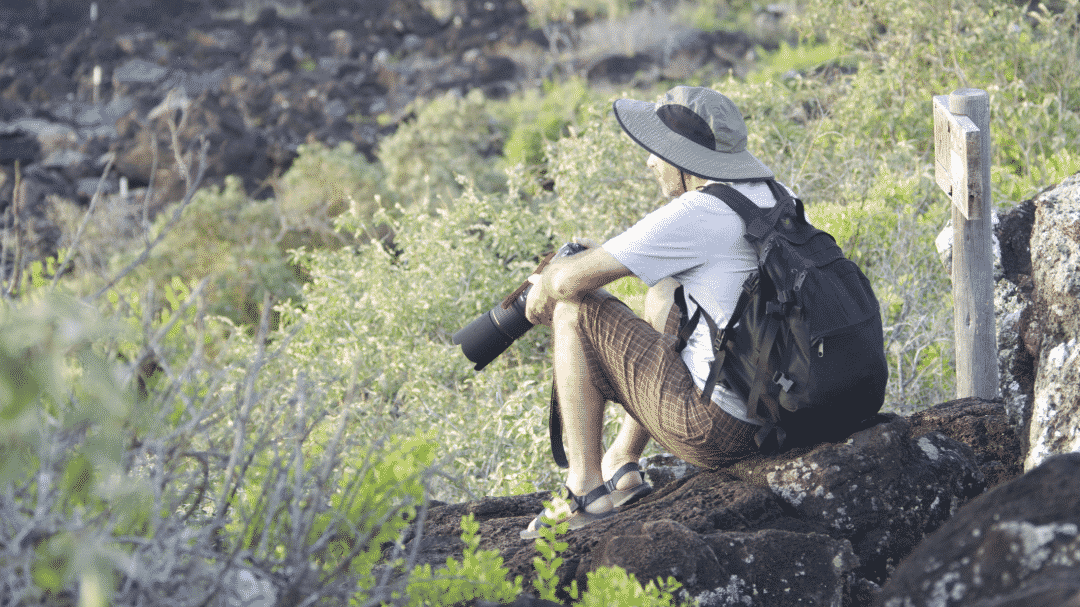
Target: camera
point(485, 338)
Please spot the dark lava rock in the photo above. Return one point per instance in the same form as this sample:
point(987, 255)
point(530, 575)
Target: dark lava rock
point(1018, 544)
point(883, 489)
point(815, 526)
point(984, 427)
point(312, 71)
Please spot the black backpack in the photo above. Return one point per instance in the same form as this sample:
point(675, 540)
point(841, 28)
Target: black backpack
point(804, 344)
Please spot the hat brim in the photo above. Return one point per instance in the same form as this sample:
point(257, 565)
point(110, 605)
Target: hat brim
point(639, 120)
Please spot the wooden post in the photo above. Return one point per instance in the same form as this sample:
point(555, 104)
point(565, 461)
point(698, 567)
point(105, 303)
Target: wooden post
point(962, 170)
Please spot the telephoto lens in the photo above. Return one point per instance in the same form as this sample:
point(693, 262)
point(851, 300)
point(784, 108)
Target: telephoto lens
point(485, 338)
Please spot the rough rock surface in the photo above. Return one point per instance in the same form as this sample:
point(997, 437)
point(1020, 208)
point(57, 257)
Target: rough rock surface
point(1055, 265)
point(983, 426)
point(1012, 311)
point(1018, 544)
point(820, 526)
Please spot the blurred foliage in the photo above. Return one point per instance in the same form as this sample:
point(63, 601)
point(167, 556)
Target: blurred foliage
point(480, 574)
point(68, 416)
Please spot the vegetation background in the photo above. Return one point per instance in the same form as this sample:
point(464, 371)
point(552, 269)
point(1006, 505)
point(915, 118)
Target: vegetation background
point(249, 399)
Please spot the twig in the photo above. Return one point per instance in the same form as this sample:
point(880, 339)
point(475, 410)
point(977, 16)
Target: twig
point(86, 219)
point(148, 195)
point(188, 197)
point(17, 196)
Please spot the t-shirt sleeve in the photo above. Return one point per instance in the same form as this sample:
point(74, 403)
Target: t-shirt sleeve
point(664, 243)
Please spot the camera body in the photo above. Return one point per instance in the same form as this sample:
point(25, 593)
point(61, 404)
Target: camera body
point(485, 338)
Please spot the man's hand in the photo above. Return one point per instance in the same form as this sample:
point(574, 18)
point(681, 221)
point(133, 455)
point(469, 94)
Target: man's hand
point(588, 243)
point(569, 278)
point(539, 307)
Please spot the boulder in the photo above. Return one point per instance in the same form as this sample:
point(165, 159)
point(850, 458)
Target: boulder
point(1012, 313)
point(815, 526)
point(1054, 425)
point(1018, 544)
point(985, 427)
point(775, 567)
point(882, 489)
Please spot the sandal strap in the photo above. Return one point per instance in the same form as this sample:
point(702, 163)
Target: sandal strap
point(627, 468)
point(579, 502)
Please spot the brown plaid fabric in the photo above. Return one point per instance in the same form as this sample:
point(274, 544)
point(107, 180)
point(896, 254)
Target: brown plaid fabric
point(638, 367)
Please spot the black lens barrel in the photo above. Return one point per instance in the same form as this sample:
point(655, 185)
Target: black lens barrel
point(485, 338)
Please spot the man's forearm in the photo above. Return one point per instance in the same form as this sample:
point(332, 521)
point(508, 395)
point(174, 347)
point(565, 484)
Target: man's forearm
point(570, 278)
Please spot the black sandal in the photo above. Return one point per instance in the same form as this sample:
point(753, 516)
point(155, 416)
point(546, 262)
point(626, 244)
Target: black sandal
point(625, 497)
point(579, 517)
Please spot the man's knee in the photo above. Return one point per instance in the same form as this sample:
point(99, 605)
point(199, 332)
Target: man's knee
point(565, 316)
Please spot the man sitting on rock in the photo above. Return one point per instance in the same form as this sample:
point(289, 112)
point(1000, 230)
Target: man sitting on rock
point(603, 351)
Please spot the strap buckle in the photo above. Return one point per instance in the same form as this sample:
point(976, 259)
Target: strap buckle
point(782, 380)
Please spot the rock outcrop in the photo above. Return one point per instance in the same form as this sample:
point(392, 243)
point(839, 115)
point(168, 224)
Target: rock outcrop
point(1054, 425)
point(1018, 544)
point(1037, 310)
point(820, 526)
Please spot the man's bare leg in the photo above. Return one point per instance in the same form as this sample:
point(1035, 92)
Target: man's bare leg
point(581, 406)
point(632, 438)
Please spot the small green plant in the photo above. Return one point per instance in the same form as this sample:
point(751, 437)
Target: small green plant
point(480, 574)
point(548, 561)
point(615, 586)
point(318, 186)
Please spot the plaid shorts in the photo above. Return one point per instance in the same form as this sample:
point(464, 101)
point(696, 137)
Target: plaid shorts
point(636, 366)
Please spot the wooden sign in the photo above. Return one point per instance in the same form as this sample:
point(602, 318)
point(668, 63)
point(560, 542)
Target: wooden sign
point(957, 158)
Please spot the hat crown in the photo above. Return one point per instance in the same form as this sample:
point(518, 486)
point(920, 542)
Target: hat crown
point(697, 130)
point(716, 110)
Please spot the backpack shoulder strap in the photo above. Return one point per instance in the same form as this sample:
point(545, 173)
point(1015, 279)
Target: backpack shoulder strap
point(759, 222)
point(782, 195)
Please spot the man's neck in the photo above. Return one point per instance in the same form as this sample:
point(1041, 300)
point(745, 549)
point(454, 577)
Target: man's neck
point(692, 182)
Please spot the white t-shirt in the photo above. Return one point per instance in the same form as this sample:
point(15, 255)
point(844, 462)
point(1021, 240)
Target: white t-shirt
point(697, 240)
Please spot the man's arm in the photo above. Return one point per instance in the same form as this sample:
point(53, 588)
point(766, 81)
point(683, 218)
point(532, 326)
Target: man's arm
point(658, 302)
point(572, 277)
point(569, 279)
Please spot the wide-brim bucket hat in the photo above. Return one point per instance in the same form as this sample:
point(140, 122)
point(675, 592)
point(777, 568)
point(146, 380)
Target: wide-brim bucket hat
point(695, 129)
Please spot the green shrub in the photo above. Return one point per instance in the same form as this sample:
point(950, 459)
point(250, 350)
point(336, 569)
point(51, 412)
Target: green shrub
point(226, 236)
point(541, 117)
point(378, 322)
point(602, 185)
point(449, 136)
point(318, 186)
